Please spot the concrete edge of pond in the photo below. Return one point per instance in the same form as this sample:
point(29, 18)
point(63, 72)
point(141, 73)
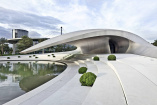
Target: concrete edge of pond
point(41, 88)
point(133, 79)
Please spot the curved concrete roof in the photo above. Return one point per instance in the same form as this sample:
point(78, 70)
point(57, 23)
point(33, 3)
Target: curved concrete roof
point(134, 40)
point(85, 34)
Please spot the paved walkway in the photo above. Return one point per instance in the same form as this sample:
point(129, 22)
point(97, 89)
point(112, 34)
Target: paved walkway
point(106, 88)
point(130, 80)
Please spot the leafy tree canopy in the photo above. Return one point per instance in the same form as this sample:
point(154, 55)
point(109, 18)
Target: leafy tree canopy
point(24, 43)
point(155, 43)
point(6, 49)
point(41, 40)
point(2, 42)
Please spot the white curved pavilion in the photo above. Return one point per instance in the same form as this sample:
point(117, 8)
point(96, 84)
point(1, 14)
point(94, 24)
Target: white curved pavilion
point(96, 41)
point(130, 80)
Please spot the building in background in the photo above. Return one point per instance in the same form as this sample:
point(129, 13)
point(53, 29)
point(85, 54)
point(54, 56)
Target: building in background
point(17, 35)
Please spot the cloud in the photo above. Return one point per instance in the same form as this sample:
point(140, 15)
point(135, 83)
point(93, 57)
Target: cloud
point(20, 19)
point(33, 34)
point(6, 33)
point(46, 16)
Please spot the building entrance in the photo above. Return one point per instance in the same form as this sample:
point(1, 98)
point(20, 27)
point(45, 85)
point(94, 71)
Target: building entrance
point(112, 46)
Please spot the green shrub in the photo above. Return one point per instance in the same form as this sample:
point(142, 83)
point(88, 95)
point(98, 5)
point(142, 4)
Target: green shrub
point(111, 57)
point(30, 56)
point(96, 58)
point(33, 55)
point(87, 79)
point(48, 55)
point(8, 62)
point(36, 57)
point(18, 56)
point(54, 56)
point(82, 70)
point(8, 57)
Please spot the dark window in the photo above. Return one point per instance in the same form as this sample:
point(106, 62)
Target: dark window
point(16, 36)
point(112, 46)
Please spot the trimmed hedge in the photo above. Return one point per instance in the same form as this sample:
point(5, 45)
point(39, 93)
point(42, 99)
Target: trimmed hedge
point(36, 57)
point(30, 56)
point(96, 58)
point(88, 79)
point(8, 57)
point(82, 70)
point(19, 57)
point(48, 55)
point(54, 56)
point(33, 55)
point(111, 57)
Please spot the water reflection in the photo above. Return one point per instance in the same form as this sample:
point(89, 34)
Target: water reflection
point(28, 75)
point(3, 77)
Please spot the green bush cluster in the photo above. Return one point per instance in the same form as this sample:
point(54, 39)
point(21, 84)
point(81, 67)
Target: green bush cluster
point(82, 70)
point(18, 56)
point(30, 56)
point(111, 57)
point(48, 55)
point(54, 56)
point(88, 79)
point(33, 55)
point(36, 57)
point(8, 57)
point(96, 58)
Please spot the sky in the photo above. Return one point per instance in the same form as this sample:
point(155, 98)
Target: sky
point(43, 18)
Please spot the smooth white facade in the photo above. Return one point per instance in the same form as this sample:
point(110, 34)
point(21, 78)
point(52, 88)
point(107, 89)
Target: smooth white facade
point(97, 41)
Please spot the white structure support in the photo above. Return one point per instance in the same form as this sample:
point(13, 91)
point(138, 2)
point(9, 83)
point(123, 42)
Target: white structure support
point(101, 41)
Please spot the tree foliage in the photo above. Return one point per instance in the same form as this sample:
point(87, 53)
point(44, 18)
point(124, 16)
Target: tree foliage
point(41, 40)
point(24, 43)
point(155, 43)
point(7, 49)
point(2, 42)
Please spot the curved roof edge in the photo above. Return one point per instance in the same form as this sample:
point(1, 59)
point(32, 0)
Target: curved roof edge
point(82, 34)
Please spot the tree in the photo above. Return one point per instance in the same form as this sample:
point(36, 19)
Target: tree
point(7, 49)
point(24, 43)
point(155, 43)
point(2, 42)
point(41, 40)
point(58, 48)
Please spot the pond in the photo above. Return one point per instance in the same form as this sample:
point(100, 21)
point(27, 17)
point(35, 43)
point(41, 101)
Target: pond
point(17, 78)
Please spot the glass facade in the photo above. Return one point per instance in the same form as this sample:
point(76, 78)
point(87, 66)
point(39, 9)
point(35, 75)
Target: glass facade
point(18, 33)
